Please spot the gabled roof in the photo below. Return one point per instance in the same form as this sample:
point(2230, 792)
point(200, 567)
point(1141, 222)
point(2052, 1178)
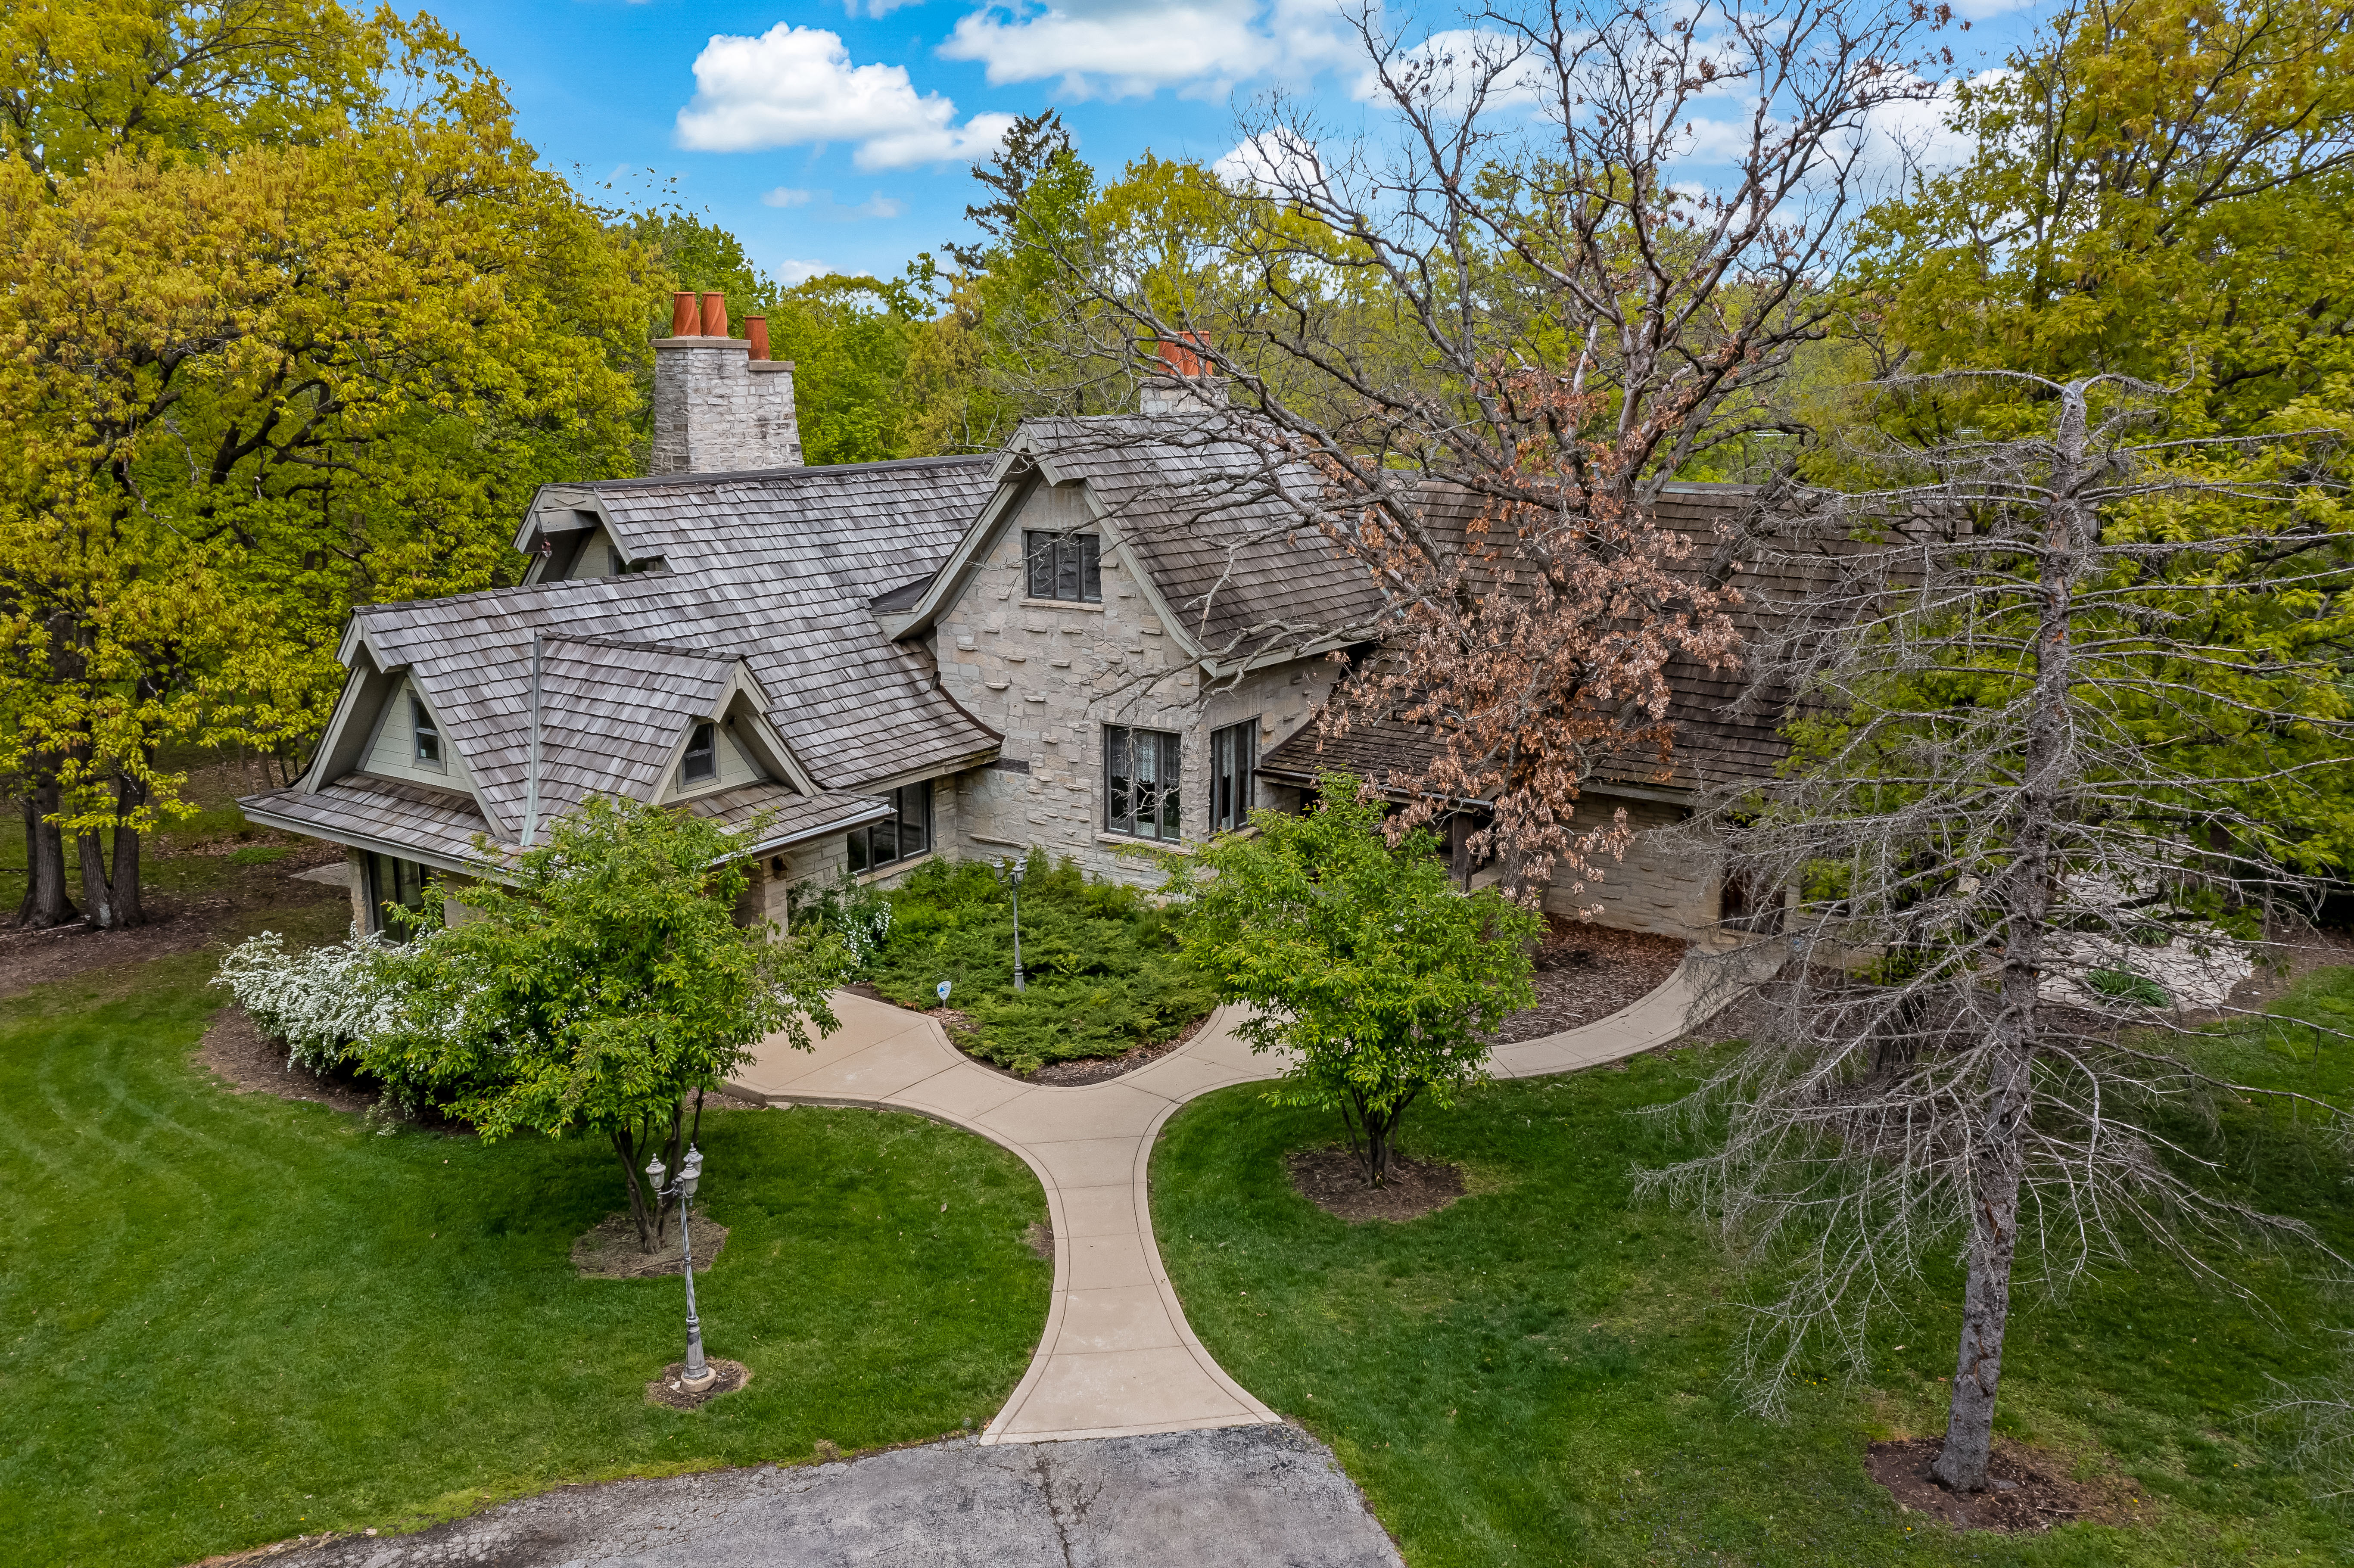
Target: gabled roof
point(786, 592)
point(705, 522)
point(1220, 536)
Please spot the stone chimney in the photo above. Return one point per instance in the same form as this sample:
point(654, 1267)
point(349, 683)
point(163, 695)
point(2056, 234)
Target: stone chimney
point(721, 404)
point(1188, 382)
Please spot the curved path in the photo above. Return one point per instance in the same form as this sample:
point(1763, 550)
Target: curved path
point(1117, 1358)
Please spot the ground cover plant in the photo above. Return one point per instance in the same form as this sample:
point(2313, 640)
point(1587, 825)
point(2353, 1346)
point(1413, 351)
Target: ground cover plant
point(1104, 972)
point(232, 1319)
point(1537, 1373)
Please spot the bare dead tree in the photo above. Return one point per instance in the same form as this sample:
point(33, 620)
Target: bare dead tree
point(2036, 768)
point(1488, 334)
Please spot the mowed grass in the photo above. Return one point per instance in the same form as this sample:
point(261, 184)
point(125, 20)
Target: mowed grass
point(1538, 1374)
point(231, 1318)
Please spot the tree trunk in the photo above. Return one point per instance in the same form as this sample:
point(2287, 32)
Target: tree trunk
point(97, 895)
point(129, 908)
point(625, 1146)
point(2024, 894)
point(32, 853)
point(1380, 1129)
point(51, 904)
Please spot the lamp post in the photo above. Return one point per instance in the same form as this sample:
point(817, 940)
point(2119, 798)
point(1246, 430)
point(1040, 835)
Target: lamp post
point(697, 1376)
point(1014, 879)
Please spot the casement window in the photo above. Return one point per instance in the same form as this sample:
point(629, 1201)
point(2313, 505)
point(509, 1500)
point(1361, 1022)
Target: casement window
point(392, 880)
point(702, 763)
point(905, 833)
point(1065, 565)
point(1234, 768)
point(428, 735)
point(1142, 770)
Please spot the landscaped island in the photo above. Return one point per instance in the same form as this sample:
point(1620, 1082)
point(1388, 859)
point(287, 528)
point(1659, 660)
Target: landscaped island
point(1103, 976)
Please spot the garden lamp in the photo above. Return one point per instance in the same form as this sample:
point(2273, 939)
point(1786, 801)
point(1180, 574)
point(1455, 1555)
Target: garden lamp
point(1014, 879)
point(697, 1375)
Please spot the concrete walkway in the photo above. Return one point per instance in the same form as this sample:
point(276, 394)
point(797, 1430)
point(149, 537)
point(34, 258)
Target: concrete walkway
point(1268, 1498)
point(1117, 1358)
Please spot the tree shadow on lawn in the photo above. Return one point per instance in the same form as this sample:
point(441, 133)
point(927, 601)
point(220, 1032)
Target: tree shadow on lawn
point(1538, 1372)
point(253, 1318)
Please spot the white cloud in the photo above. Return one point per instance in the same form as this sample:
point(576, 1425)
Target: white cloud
point(795, 86)
point(881, 9)
point(1277, 161)
point(1118, 49)
point(822, 204)
point(790, 272)
point(1448, 65)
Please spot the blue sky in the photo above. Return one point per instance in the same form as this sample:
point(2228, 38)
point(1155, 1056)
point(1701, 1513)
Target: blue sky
point(836, 134)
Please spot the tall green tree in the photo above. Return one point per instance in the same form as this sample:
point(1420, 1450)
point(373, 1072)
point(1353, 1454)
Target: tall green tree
point(602, 991)
point(258, 365)
point(1359, 959)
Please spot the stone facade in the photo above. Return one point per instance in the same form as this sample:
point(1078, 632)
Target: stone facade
point(1050, 674)
point(718, 411)
point(1659, 885)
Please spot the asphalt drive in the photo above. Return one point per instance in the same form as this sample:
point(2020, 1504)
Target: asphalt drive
point(1269, 1497)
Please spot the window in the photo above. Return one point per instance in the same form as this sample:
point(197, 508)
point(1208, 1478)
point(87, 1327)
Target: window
point(701, 762)
point(391, 882)
point(1141, 768)
point(903, 835)
point(1234, 764)
point(1065, 566)
point(429, 737)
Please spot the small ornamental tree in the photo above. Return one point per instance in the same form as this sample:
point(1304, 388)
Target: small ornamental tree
point(605, 986)
point(1359, 958)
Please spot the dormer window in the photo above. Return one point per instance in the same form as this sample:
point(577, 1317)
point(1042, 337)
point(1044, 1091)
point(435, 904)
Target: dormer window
point(1065, 565)
point(702, 763)
point(428, 738)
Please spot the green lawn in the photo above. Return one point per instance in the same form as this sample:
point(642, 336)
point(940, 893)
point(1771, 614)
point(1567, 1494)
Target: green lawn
point(232, 1319)
point(1536, 1375)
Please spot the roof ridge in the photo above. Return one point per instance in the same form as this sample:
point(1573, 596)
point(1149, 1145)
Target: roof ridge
point(675, 649)
point(885, 465)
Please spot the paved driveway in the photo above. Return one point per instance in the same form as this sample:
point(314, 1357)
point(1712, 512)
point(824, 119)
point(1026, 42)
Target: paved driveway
point(1249, 1497)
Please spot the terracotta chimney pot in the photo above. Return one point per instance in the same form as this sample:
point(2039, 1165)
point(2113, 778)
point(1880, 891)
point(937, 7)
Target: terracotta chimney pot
point(715, 315)
point(757, 329)
point(1184, 358)
point(684, 314)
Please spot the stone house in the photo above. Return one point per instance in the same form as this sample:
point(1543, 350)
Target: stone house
point(1100, 638)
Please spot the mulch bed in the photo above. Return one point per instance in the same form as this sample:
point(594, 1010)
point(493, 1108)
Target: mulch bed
point(1585, 972)
point(610, 1250)
point(2027, 1493)
point(237, 1050)
point(665, 1389)
point(1332, 1180)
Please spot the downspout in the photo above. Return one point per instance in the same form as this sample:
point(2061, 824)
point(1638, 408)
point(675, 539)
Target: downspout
point(531, 767)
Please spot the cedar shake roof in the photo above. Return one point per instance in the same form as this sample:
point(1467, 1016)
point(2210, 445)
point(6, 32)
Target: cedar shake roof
point(418, 822)
point(439, 826)
point(790, 561)
point(720, 521)
point(1225, 536)
point(1718, 735)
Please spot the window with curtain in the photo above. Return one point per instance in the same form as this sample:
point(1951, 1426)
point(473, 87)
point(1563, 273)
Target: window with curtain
point(905, 833)
point(1065, 565)
point(1234, 760)
point(1141, 770)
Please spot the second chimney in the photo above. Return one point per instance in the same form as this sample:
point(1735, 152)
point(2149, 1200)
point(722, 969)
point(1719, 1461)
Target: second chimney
point(721, 405)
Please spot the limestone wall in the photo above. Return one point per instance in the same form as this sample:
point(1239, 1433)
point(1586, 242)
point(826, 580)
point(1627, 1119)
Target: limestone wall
point(1659, 885)
point(1049, 675)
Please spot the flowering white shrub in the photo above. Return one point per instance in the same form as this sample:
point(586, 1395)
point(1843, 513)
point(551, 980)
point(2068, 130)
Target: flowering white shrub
point(318, 1002)
point(860, 914)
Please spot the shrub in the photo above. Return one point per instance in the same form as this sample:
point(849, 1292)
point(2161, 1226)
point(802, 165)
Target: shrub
point(319, 1003)
point(1105, 975)
point(2123, 985)
point(860, 915)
